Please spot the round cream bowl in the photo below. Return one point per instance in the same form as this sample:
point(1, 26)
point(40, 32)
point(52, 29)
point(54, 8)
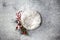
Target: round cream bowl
point(30, 19)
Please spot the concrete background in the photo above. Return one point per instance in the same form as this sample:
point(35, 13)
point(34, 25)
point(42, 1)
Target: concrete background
point(49, 10)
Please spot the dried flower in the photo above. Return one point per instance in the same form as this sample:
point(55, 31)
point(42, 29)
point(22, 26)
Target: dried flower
point(19, 25)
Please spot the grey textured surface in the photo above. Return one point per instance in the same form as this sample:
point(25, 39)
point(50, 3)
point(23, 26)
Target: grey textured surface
point(49, 10)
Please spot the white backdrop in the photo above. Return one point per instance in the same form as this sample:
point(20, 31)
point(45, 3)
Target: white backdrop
point(49, 10)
